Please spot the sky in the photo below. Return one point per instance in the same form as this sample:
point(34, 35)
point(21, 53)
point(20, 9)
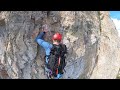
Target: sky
point(115, 16)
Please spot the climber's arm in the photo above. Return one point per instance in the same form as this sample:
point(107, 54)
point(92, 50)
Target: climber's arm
point(46, 45)
point(40, 40)
point(40, 36)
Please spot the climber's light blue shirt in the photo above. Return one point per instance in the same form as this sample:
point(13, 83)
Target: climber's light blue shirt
point(46, 45)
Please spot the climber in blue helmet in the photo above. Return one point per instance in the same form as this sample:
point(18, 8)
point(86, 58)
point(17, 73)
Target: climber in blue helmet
point(48, 46)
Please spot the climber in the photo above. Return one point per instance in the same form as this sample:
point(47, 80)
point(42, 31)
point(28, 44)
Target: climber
point(59, 58)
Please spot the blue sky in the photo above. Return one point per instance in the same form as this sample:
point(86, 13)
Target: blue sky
point(115, 16)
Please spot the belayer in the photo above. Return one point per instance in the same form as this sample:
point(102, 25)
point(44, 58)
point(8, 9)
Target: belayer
point(55, 54)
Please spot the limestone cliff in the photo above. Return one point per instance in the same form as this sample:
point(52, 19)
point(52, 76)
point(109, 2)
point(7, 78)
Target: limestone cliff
point(91, 38)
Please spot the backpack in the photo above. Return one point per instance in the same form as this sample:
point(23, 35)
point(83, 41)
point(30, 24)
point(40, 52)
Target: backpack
point(57, 57)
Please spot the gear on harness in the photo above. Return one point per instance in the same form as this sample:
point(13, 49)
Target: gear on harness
point(48, 72)
point(56, 61)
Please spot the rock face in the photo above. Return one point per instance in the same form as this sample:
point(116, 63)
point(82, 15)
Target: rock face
point(109, 52)
point(91, 38)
